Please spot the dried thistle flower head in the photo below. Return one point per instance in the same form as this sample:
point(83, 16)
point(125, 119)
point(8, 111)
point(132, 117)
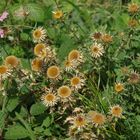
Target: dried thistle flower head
point(97, 36)
point(69, 65)
point(53, 72)
point(37, 64)
point(3, 69)
point(7, 30)
point(96, 50)
point(79, 121)
point(57, 14)
point(40, 49)
point(11, 61)
point(88, 136)
point(64, 91)
point(49, 99)
point(134, 78)
point(119, 87)
point(98, 119)
point(133, 8)
point(106, 38)
point(75, 55)
point(77, 110)
point(72, 131)
point(77, 82)
point(21, 13)
point(39, 34)
point(116, 111)
point(132, 23)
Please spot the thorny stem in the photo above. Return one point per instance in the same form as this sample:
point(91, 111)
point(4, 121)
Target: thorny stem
point(4, 102)
point(17, 26)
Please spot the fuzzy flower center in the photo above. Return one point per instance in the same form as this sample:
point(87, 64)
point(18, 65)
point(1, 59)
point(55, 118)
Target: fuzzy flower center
point(49, 97)
point(116, 111)
point(98, 118)
point(79, 121)
point(37, 33)
point(3, 69)
point(64, 91)
point(74, 55)
point(75, 81)
point(53, 72)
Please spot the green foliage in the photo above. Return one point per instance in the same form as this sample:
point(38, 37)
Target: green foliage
point(12, 103)
point(16, 132)
point(37, 109)
point(22, 113)
point(36, 12)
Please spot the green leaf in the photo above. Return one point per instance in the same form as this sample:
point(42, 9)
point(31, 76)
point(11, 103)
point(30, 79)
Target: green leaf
point(46, 122)
point(38, 129)
point(51, 32)
point(66, 47)
point(47, 132)
point(36, 12)
point(16, 132)
point(25, 63)
point(24, 36)
point(2, 5)
point(23, 112)
point(12, 103)
point(37, 109)
point(48, 2)
point(138, 118)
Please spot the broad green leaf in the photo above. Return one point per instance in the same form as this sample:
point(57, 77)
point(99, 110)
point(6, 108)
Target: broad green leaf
point(16, 132)
point(12, 103)
point(51, 32)
point(25, 63)
point(47, 132)
point(37, 109)
point(36, 12)
point(38, 129)
point(66, 46)
point(67, 7)
point(46, 122)
point(48, 2)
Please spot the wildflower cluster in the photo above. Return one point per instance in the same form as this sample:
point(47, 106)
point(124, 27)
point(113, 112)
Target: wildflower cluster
point(79, 75)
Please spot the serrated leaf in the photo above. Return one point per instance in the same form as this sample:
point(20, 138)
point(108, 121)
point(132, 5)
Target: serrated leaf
point(12, 103)
point(16, 132)
point(37, 109)
point(36, 12)
point(46, 122)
